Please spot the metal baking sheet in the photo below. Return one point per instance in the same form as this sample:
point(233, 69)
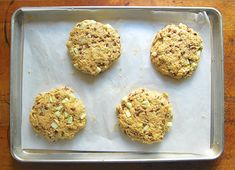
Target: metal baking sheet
point(29, 154)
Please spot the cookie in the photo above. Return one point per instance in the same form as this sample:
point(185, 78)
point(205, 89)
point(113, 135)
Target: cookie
point(57, 114)
point(145, 115)
point(93, 46)
point(176, 51)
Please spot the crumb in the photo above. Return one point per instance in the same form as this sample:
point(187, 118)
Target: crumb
point(203, 116)
point(93, 118)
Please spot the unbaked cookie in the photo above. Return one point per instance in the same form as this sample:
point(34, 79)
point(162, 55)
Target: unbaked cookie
point(176, 51)
point(93, 46)
point(145, 115)
point(58, 114)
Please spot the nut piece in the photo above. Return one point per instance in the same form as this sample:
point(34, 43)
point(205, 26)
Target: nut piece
point(83, 115)
point(124, 99)
point(169, 124)
point(128, 114)
point(154, 54)
point(98, 69)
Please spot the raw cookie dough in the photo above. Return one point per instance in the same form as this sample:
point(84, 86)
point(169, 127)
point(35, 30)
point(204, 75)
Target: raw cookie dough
point(93, 46)
point(176, 51)
point(57, 114)
point(145, 115)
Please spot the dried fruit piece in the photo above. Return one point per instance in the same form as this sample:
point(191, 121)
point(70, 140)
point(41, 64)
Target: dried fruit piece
point(59, 108)
point(65, 100)
point(66, 114)
point(129, 105)
point(70, 119)
point(54, 125)
point(57, 113)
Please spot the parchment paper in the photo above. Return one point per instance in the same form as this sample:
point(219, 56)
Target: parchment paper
point(46, 65)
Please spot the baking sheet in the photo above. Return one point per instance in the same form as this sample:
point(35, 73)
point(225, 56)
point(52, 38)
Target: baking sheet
point(46, 65)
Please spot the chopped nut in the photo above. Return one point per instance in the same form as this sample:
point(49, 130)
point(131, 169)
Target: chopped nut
point(98, 69)
point(146, 102)
point(145, 128)
point(92, 21)
point(170, 109)
point(107, 26)
point(56, 121)
point(165, 95)
point(128, 114)
point(194, 65)
point(154, 54)
point(181, 25)
point(83, 25)
point(199, 52)
point(169, 124)
point(54, 125)
point(124, 99)
point(50, 99)
point(75, 51)
point(83, 115)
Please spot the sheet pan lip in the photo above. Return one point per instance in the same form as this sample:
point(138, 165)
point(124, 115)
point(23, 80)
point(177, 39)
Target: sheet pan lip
point(28, 8)
point(19, 157)
point(12, 151)
point(113, 160)
point(220, 19)
point(16, 156)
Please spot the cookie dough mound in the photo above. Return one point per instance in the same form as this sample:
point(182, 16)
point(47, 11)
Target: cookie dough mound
point(57, 114)
point(93, 46)
point(176, 51)
point(145, 115)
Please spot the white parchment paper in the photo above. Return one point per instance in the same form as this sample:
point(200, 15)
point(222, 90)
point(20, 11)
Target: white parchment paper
point(46, 65)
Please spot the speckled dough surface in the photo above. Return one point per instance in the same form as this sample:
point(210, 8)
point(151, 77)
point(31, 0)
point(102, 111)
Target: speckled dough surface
point(176, 51)
point(145, 115)
point(57, 114)
point(93, 46)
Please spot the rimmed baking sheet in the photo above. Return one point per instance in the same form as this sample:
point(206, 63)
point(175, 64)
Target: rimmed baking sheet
point(45, 65)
